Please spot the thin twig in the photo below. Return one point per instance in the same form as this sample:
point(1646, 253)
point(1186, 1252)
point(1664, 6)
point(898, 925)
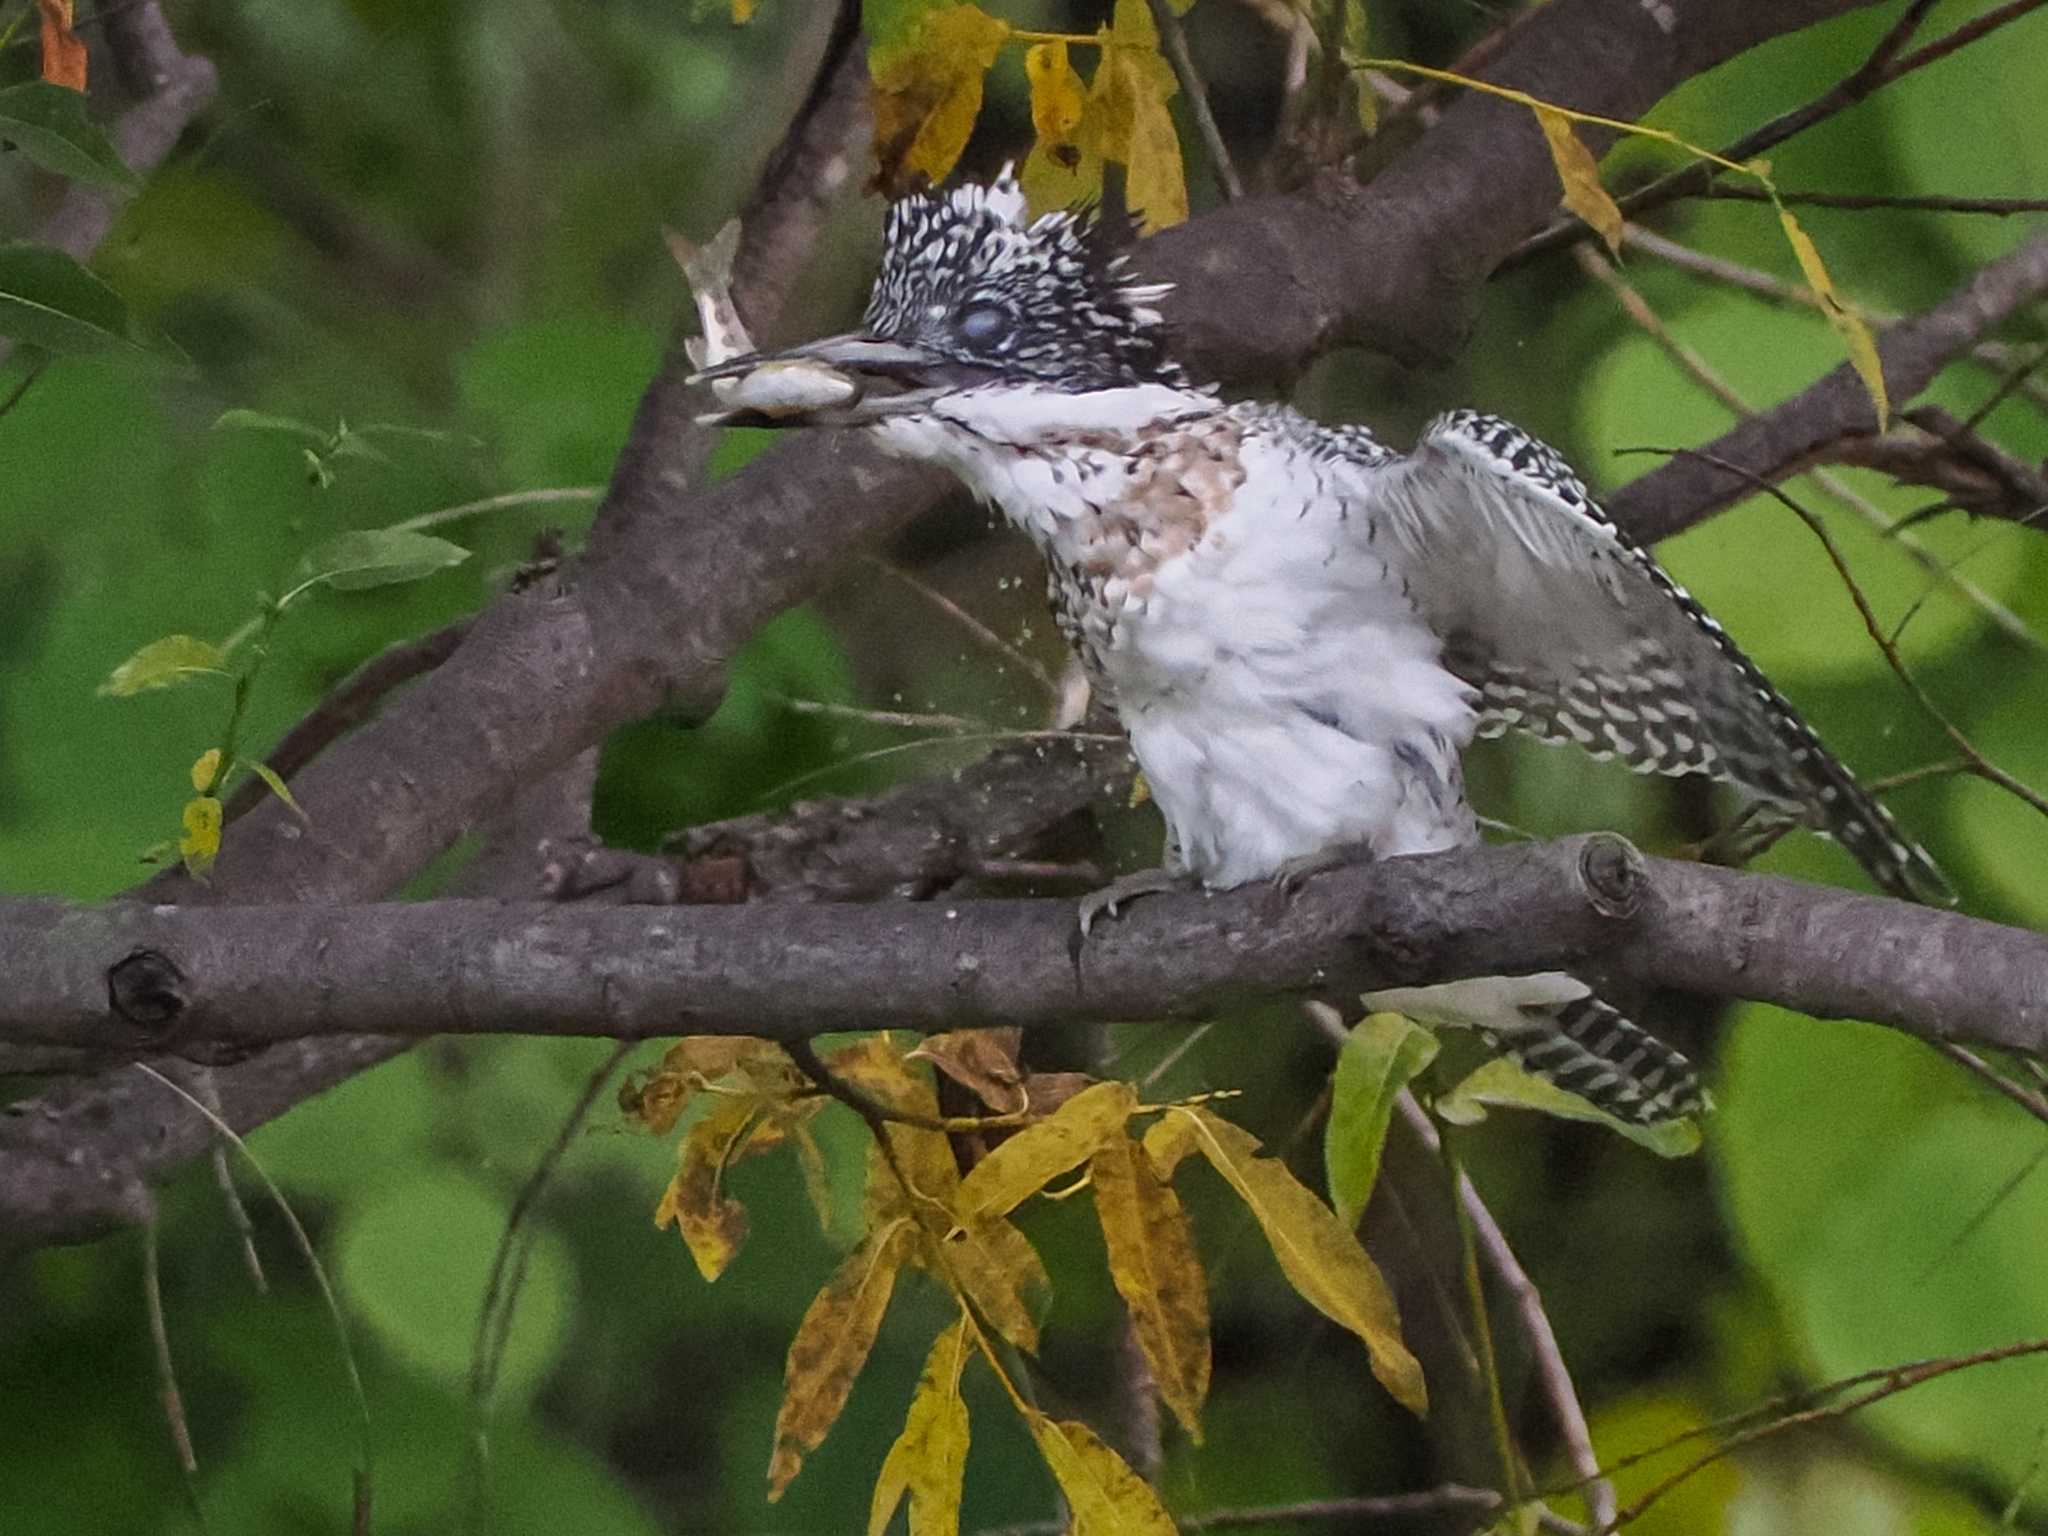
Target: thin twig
point(968, 622)
point(168, 1395)
point(1174, 38)
point(1870, 201)
point(1548, 1359)
point(1996, 355)
point(1980, 765)
point(494, 1315)
point(1880, 69)
point(208, 1088)
point(365, 1471)
point(2033, 1103)
point(1450, 1499)
point(901, 718)
point(1638, 310)
point(1891, 1382)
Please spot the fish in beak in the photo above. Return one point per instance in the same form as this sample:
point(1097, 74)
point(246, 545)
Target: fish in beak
point(838, 381)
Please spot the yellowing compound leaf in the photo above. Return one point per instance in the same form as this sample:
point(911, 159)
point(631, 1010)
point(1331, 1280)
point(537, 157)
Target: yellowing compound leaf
point(1380, 1057)
point(1319, 1255)
point(162, 664)
point(206, 771)
point(200, 845)
point(982, 1060)
point(1580, 173)
point(1152, 1259)
point(927, 93)
point(1038, 1154)
point(1105, 1496)
point(1501, 1082)
point(713, 1226)
point(64, 55)
point(929, 1459)
point(1050, 186)
point(830, 1347)
point(1850, 326)
point(1056, 99)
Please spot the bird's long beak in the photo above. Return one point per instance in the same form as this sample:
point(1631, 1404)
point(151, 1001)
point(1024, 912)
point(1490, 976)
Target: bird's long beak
point(836, 381)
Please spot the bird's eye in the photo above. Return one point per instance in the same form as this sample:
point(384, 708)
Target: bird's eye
point(983, 324)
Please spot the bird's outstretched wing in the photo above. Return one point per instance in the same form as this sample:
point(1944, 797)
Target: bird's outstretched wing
point(1571, 632)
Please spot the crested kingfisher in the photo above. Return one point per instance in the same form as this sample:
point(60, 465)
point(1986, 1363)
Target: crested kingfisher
point(1300, 627)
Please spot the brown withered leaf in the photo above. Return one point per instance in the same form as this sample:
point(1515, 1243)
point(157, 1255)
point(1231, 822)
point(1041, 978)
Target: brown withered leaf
point(1045, 1092)
point(831, 1345)
point(983, 1061)
point(927, 94)
point(1319, 1255)
point(929, 1459)
point(1105, 1496)
point(1153, 1261)
point(64, 57)
point(659, 1098)
point(1040, 1153)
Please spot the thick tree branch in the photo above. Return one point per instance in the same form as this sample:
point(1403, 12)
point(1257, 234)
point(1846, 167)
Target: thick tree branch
point(188, 979)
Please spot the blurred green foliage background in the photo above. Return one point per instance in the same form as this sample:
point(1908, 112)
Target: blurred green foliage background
point(446, 214)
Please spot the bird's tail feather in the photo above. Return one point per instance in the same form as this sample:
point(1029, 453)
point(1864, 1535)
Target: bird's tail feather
point(1552, 1027)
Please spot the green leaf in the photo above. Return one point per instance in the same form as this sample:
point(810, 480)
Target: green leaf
point(242, 420)
point(48, 123)
point(163, 664)
point(1379, 1059)
point(1501, 1082)
point(48, 300)
point(379, 557)
point(277, 786)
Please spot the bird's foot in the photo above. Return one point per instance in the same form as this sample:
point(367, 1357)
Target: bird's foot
point(1141, 882)
point(1290, 877)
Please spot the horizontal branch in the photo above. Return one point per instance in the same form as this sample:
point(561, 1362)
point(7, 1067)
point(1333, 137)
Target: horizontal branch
point(128, 978)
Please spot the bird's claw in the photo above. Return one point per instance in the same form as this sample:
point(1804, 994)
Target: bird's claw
point(1289, 878)
point(1125, 888)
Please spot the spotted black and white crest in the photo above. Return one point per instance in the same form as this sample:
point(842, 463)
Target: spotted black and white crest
point(967, 275)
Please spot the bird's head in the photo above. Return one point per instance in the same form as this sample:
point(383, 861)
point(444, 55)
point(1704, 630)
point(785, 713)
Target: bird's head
point(974, 293)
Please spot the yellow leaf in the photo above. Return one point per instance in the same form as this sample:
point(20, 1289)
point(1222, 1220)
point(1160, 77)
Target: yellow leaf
point(1152, 1259)
point(1105, 1496)
point(927, 94)
point(712, 1226)
point(929, 1459)
point(997, 1269)
point(205, 769)
point(1319, 1255)
point(1056, 96)
point(1580, 173)
point(1141, 791)
point(201, 843)
point(1849, 325)
point(830, 1347)
point(1157, 186)
point(742, 12)
point(1038, 1154)
point(1049, 186)
point(1168, 1141)
point(63, 54)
